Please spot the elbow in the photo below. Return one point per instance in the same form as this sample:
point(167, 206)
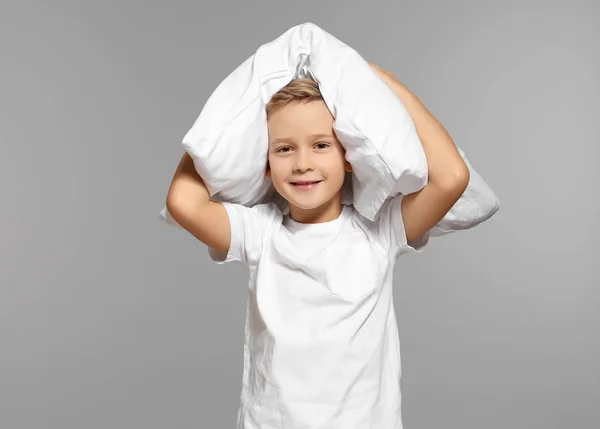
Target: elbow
point(462, 176)
point(456, 179)
point(180, 202)
point(171, 204)
point(175, 202)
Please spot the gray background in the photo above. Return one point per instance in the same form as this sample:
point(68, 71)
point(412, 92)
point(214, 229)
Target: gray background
point(110, 318)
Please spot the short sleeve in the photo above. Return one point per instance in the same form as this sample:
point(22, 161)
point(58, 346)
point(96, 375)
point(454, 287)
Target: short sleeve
point(250, 226)
point(390, 230)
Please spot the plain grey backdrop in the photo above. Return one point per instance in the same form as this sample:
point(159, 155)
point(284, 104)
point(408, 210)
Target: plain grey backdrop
point(109, 318)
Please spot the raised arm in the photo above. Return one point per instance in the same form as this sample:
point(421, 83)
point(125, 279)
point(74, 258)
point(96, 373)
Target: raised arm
point(447, 171)
point(188, 202)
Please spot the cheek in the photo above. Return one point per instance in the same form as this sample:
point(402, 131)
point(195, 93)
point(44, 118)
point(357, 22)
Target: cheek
point(276, 166)
point(335, 162)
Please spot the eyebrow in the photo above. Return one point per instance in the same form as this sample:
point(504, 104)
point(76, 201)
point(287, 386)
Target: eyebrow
point(314, 135)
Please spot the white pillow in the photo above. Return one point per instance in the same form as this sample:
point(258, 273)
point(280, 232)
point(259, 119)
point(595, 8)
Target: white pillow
point(229, 140)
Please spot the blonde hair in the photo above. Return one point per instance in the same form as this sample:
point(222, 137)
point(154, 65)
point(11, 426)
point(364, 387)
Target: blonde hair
point(302, 89)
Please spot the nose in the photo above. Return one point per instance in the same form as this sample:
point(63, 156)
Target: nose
point(302, 161)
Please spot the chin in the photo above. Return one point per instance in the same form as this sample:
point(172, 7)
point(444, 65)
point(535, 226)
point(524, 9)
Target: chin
point(304, 205)
point(308, 202)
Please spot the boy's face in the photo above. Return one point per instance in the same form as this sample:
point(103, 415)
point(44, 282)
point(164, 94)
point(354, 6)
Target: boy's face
point(295, 154)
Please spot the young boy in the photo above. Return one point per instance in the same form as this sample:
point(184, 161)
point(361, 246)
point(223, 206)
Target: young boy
point(321, 345)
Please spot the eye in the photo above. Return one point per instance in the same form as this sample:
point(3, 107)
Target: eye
point(323, 144)
point(281, 149)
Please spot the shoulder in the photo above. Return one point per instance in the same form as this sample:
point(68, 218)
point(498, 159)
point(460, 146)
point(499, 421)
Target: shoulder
point(360, 221)
point(388, 229)
point(250, 227)
point(359, 228)
point(259, 214)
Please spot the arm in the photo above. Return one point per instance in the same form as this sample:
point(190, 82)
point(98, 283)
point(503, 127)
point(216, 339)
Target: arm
point(188, 202)
point(448, 174)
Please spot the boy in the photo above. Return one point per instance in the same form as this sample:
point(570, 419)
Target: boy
point(321, 344)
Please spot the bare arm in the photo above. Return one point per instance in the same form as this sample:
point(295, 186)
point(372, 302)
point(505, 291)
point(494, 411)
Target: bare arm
point(448, 173)
point(188, 202)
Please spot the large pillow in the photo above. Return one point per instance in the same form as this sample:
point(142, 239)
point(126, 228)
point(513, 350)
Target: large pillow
point(229, 140)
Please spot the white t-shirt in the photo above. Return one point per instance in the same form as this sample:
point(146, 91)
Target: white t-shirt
point(321, 341)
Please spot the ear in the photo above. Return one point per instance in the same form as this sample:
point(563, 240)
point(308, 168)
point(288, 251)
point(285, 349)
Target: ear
point(268, 170)
point(347, 167)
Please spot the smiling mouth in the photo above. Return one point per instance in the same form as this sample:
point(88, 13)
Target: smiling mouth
point(306, 183)
point(304, 186)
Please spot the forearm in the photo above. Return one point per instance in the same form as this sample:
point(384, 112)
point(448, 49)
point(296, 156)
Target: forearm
point(444, 162)
point(187, 187)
